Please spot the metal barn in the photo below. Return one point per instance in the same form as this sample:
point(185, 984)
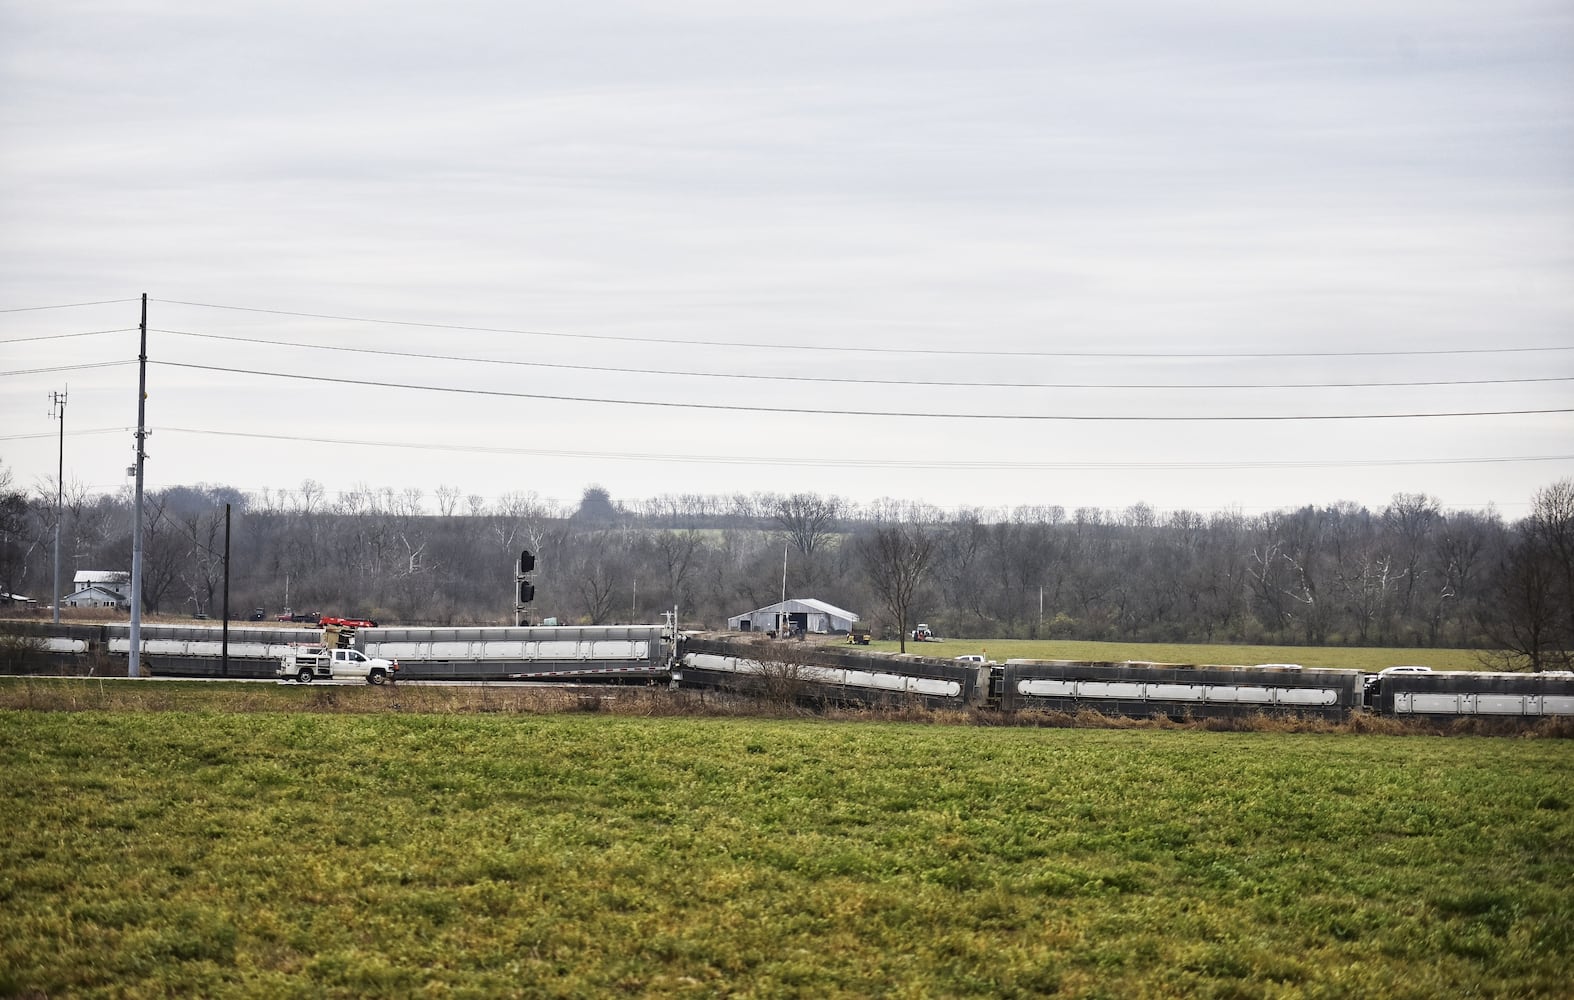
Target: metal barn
point(805, 614)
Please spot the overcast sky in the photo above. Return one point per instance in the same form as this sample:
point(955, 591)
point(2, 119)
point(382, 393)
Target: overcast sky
point(691, 247)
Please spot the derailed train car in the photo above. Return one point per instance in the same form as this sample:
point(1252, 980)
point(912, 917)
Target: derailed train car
point(43, 646)
point(1141, 689)
point(166, 650)
point(199, 650)
point(556, 652)
point(816, 673)
point(804, 672)
point(610, 653)
point(1449, 694)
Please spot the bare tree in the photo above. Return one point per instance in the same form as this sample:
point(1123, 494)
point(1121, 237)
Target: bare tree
point(1553, 520)
point(596, 573)
point(782, 671)
point(1522, 617)
point(310, 496)
point(1530, 613)
point(203, 569)
point(807, 519)
point(896, 558)
point(1462, 547)
point(13, 520)
point(447, 500)
point(164, 552)
point(1410, 520)
point(961, 565)
point(677, 552)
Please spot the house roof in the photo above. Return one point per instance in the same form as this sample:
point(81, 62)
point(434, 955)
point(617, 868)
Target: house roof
point(107, 594)
point(92, 576)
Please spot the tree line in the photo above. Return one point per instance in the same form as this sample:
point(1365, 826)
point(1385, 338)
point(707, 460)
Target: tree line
point(1407, 574)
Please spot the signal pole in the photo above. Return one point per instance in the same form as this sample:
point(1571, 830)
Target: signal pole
point(57, 410)
point(524, 590)
point(134, 661)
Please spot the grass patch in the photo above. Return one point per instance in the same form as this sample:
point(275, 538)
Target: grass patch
point(270, 853)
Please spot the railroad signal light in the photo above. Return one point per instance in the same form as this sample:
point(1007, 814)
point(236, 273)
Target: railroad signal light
point(527, 591)
point(527, 562)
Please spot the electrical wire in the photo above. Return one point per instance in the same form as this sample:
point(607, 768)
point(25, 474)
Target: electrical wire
point(70, 368)
point(66, 336)
point(973, 352)
point(852, 462)
point(860, 380)
point(926, 414)
point(68, 305)
point(470, 448)
point(74, 433)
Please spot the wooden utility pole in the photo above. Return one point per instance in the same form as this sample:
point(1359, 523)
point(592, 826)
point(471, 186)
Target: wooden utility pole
point(134, 654)
point(59, 403)
point(224, 646)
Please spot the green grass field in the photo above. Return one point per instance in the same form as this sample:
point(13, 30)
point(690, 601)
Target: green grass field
point(1370, 659)
point(289, 854)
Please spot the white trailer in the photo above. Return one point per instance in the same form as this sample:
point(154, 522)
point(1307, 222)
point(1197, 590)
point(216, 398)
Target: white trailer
point(309, 663)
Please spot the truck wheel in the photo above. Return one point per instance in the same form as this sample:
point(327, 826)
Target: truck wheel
point(376, 677)
point(305, 676)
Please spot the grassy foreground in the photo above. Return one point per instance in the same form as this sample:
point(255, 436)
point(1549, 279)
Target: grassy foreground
point(228, 854)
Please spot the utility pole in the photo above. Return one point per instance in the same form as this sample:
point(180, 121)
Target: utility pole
point(134, 655)
point(57, 409)
point(781, 610)
point(224, 633)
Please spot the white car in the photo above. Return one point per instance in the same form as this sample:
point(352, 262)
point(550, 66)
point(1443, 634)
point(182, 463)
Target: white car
point(1391, 671)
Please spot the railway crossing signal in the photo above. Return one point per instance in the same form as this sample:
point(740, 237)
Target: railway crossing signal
point(524, 590)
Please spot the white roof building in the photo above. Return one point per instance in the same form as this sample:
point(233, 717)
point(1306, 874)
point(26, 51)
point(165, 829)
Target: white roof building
point(807, 614)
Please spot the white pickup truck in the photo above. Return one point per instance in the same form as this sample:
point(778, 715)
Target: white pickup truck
point(310, 663)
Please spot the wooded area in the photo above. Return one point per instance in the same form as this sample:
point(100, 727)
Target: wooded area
point(1409, 574)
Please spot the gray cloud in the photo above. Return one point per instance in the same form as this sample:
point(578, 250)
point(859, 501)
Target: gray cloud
point(1129, 176)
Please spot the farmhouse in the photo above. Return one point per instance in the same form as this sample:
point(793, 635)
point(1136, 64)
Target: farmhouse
point(807, 614)
point(96, 588)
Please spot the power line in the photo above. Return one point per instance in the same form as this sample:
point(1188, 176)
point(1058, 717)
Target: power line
point(936, 383)
point(973, 353)
point(452, 446)
point(68, 305)
point(82, 432)
point(65, 336)
point(858, 462)
point(70, 368)
point(1119, 418)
